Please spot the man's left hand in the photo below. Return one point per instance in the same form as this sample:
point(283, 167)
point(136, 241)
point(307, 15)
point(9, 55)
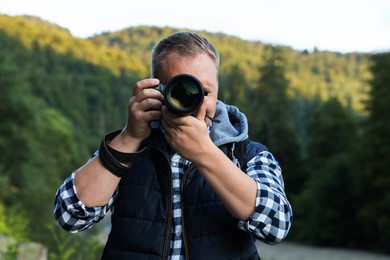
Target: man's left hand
point(187, 135)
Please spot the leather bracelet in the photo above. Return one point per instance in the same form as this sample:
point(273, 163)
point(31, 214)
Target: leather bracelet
point(121, 156)
point(113, 160)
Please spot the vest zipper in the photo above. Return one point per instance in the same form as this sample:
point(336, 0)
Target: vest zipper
point(185, 239)
point(167, 238)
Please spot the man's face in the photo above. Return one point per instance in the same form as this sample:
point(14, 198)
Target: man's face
point(200, 66)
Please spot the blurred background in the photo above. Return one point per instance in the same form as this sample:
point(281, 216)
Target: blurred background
point(313, 79)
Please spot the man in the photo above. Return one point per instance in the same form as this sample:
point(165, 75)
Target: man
point(176, 192)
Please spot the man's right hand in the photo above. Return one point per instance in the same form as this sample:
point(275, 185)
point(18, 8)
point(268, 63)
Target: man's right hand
point(144, 106)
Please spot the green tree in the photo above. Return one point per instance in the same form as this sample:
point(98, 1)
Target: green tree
point(270, 119)
point(38, 152)
point(372, 163)
point(16, 113)
point(325, 209)
point(233, 86)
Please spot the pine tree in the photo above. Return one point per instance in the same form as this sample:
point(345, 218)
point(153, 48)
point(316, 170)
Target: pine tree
point(372, 164)
point(271, 122)
point(325, 209)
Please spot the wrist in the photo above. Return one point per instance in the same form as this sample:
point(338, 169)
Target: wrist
point(116, 161)
point(205, 153)
point(124, 142)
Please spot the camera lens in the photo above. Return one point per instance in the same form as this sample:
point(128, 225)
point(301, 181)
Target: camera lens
point(184, 94)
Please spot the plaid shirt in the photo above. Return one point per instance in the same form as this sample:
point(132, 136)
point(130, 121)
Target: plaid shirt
point(270, 222)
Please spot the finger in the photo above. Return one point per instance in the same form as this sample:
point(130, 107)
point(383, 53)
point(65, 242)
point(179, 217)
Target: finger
point(144, 117)
point(142, 94)
point(137, 109)
point(170, 120)
point(152, 115)
point(150, 104)
point(201, 114)
point(166, 117)
point(145, 83)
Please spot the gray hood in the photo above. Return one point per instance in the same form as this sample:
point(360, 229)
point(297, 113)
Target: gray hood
point(233, 125)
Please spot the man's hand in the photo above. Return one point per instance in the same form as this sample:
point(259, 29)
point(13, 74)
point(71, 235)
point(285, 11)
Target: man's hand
point(187, 135)
point(144, 106)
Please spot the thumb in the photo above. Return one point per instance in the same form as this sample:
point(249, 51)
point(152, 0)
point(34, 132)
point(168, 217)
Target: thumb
point(201, 114)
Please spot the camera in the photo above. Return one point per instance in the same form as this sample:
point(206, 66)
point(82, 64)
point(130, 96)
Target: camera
point(183, 94)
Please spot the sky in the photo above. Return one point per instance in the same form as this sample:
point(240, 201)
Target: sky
point(333, 25)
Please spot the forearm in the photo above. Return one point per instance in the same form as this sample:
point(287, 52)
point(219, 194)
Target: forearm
point(235, 188)
point(94, 183)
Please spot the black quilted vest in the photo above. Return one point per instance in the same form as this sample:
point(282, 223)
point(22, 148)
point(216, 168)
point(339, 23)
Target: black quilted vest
point(141, 221)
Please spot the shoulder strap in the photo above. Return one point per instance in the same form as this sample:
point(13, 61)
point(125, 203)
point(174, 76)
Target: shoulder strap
point(242, 152)
point(237, 153)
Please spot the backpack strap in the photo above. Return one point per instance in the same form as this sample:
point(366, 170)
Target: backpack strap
point(237, 153)
point(242, 152)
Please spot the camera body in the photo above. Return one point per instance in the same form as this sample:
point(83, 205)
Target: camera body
point(183, 94)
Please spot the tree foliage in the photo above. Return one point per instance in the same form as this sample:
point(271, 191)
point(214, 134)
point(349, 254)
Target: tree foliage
point(324, 207)
point(371, 162)
point(273, 126)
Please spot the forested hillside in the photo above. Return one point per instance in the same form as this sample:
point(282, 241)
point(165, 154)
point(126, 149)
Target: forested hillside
point(313, 74)
point(321, 113)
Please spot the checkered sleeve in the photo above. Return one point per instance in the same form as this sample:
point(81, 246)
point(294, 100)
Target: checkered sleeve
point(272, 218)
point(71, 214)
